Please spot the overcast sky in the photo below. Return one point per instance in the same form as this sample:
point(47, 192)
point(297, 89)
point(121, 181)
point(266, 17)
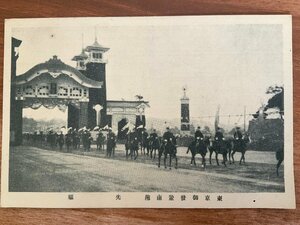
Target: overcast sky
point(230, 65)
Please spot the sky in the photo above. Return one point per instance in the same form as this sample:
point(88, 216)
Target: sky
point(226, 65)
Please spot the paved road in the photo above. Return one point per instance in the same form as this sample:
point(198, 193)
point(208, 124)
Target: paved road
point(38, 170)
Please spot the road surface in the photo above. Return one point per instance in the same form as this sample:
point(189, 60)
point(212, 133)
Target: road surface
point(34, 169)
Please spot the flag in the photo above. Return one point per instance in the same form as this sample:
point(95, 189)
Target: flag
point(128, 125)
point(140, 126)
point(217, 118)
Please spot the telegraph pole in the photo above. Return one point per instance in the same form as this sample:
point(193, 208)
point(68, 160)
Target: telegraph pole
point(244, 119)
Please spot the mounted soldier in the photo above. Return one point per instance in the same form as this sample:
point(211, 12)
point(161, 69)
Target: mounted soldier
point(144, 141)
point(100, 140)
point(154, 143)
point(168, 148)
point(219, 135)
point(238, 134)
point(198, 133)
point(69, 139)
point(134, 144)
point(111, 142)
point(169, 136)
point(61, 140)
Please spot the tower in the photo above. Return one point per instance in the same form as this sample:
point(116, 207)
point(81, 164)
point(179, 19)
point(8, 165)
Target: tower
point(92, 64)
point(81, 61)
point(185, 112)
point(95, 70)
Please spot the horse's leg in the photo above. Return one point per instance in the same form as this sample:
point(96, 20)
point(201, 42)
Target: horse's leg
point(241, 157)
point(159, 157)
point(203, 160)
point(137, 154)
point(224, 159)
point(165, 159)
point(244, 152)
point(176, 161)
point(278, 165)
point(170, 162)
point(232, 156)
point(194, 156)
point(210, 154)
point(217, 159)
point(229, 155)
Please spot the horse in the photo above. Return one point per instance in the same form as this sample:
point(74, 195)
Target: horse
point(134, 148)
point(198, 146)
point(111, 145)
point(100, 141)
point(280, 158)
point(127, 146)
point(143, 139)
point(68, 141)
point(239, 145)
point(154, 144)
point(168, 148)
point(219, 147)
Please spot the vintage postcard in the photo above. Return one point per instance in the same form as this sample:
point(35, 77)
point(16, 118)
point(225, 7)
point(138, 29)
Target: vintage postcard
point(160, 112)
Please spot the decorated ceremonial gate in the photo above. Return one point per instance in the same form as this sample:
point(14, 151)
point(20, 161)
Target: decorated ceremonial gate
point(82, 90)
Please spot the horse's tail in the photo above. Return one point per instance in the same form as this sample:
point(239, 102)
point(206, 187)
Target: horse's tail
point(188, 150)
point(280, 155)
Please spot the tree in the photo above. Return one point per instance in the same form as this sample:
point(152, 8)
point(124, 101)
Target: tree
point(277, 100)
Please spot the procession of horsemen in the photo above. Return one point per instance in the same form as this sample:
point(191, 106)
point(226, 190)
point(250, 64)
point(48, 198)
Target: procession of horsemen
point(150, 145)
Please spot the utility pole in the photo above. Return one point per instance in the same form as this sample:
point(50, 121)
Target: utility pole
point(244, 119)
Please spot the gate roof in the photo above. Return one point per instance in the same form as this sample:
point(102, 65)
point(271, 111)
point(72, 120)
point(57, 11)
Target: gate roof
point(55, 67)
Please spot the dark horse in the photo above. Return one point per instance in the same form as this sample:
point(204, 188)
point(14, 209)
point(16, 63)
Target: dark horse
point(199, 146)
point(239, 145)
point(134, 148)
point(280, 158)
point(219, 147)
point(132, 145)
point(168, 148)
point(154, 145)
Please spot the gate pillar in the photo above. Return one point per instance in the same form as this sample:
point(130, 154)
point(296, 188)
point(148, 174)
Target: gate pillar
point(17, 122)
point(73, 117)
point(83, 114)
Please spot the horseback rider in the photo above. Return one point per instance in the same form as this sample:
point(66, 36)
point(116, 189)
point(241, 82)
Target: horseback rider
point(169, 136)
point(219, 135)
point(153, 135)
point(134, 139)
point(111, 142)
point(198, 133)
point(238, 134)
point(238, 137)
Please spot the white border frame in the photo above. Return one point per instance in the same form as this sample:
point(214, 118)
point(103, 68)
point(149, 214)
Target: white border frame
point(137, 199)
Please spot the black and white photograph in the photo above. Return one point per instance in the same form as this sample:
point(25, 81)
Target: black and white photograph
point(186, 111)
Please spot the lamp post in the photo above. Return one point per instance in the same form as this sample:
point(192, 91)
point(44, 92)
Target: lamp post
point(98, 115)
